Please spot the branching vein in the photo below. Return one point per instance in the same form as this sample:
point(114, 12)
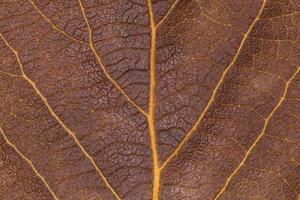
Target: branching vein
point(167, 14)
point(151, 125)
point(210, 102)
point(66, 128)
point(267, 120)
point(91, 44)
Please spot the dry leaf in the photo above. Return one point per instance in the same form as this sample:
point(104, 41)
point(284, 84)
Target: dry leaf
point(141, 99)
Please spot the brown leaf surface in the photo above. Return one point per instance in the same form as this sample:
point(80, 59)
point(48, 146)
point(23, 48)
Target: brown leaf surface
point(150, 99)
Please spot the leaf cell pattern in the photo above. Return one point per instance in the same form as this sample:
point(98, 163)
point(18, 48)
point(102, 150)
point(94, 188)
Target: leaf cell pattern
point(150, 99)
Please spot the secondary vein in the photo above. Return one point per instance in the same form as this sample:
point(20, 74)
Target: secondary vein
point(57, 118)
point(214, 93)
point(30, 163)
point(167, 14)
point(52, 24)
point(108, 76)
point(267, 120)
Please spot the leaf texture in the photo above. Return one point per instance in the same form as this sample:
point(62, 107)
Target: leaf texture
point(150, 99)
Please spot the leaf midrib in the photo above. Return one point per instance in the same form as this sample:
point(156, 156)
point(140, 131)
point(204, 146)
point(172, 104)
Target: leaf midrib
point(150, 115)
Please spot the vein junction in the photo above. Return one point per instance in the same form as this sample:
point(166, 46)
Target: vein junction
point(214, 94)
point(151, 125)
point(92, 46)
point(151, 111)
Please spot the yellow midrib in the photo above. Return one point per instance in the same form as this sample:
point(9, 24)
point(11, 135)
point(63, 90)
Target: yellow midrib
point(30, 164)
point(64, 126)
point(152, 134)
point(150, 115)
